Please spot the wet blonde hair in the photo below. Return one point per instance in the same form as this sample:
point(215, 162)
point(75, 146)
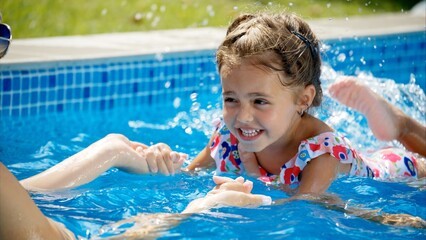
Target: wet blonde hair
point(281, 42)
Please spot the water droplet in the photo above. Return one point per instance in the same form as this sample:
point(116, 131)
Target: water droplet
point(341, 57)
point(412, 78)
point(210, 10)
point(188, 130)
point(215, 89)
point(149, 15)
point(193, 96)
point(195, 107)
point(155, 22)
point(176, 102)
point(137, 17)
point(205, 22)
point(159, 57)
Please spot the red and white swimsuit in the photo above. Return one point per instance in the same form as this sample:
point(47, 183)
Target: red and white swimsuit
point(389, 164)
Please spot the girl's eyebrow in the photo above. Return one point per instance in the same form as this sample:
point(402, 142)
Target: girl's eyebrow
point(228, 93)
point(253, 94)
point(258, 94)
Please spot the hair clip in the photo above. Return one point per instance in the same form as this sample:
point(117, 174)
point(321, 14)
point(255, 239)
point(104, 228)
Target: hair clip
point(307, 42)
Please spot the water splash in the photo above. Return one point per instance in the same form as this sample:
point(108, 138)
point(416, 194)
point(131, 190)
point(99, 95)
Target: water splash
point(409, 97)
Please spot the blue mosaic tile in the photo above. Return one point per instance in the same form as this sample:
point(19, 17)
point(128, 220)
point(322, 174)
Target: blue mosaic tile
point(7, 84)
point(93, 85)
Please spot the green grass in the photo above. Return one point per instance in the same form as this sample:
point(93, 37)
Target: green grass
point(41, 18)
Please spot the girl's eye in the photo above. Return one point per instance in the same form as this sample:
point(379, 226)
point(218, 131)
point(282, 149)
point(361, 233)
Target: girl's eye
point(228, 99)
point(261, 101)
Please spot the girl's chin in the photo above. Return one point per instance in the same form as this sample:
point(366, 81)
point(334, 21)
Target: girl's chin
point(250, 147)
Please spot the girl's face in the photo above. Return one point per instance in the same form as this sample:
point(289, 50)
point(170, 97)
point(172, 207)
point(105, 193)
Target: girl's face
point(257, 108)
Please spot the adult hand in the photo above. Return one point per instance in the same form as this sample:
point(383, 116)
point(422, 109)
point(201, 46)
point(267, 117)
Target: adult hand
point(138, 158)
point(161, 158)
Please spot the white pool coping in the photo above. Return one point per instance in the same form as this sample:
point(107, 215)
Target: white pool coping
point(177, 40)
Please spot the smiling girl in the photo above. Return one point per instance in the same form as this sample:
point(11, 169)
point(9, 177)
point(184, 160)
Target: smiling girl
point(270, 74)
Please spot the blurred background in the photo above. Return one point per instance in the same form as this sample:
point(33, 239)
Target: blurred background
point(43, 18)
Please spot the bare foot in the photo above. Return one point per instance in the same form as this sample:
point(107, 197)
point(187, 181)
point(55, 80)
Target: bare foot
point(385, 121)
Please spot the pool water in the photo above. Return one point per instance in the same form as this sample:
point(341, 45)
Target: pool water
point(30, 145)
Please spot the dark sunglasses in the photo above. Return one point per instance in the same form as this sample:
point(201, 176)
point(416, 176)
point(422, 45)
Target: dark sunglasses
point(5, 37)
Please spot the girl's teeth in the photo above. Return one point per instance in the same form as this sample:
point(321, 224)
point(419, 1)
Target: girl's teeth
point(250, 133)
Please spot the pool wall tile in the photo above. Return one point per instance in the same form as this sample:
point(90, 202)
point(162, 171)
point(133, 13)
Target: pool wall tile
point(30, 89)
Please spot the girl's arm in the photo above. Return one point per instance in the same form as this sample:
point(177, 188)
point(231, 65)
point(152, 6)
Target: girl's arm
point(228, 192)
point(318, 175)
point(202, 160)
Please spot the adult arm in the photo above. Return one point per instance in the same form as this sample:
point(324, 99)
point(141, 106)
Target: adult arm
point(20, 218)
point(114, 150)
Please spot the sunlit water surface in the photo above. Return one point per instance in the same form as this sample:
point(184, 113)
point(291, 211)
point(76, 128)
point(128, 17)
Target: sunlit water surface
point(31, 145)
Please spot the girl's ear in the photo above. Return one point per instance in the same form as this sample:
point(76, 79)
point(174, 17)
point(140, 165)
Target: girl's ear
point(308, 95)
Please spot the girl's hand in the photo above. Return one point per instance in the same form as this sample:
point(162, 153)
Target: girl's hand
point(249, 161)
point(229, 192)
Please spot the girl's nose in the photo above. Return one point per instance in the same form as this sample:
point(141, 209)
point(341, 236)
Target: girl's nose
point(245, 115)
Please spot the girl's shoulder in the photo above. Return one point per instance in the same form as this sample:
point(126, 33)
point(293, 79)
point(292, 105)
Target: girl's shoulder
point(220, 127)
point(330, 142)
point(326, 136)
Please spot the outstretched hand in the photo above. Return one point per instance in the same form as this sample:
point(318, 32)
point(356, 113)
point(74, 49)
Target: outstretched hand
point(229, 192)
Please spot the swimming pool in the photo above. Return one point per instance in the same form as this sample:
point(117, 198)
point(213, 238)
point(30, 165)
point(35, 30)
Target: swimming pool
point(52, 110)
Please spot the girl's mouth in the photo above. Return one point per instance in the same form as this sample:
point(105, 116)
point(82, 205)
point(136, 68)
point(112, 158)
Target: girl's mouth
point(249, 134)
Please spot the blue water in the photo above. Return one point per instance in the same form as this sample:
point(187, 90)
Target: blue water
point(30, 145)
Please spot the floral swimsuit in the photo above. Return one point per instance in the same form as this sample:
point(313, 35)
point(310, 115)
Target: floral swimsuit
point(389, 164)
